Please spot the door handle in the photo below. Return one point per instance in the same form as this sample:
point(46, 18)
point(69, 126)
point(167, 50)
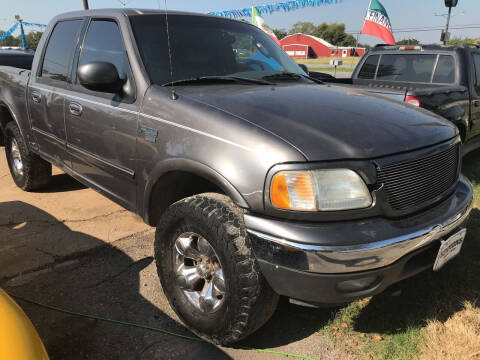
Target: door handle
point(75, 109)
point(36, 97)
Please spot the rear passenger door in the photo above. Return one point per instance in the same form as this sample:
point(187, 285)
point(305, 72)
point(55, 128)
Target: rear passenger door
point(45, 94)
point(102, 127)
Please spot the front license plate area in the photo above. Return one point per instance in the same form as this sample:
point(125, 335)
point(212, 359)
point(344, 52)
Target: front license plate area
point(449, 249)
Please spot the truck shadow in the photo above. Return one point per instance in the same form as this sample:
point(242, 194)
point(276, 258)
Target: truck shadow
point(290, 323)
point(62, 183)
point(101, 280)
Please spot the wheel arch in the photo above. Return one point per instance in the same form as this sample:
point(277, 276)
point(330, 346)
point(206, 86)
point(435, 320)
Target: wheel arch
point(6, 116)
point(175, 179)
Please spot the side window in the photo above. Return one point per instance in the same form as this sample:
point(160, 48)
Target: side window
point(103, 42)
point(445, 71)
point(369, 68)
point(476, 61)
point(60, 48)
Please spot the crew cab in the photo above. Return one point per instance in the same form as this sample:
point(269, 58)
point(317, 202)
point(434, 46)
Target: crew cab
point(442, 79)
point(259, 180)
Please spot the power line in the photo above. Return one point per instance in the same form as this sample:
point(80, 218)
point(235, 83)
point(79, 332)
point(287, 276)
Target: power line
point(426, 29)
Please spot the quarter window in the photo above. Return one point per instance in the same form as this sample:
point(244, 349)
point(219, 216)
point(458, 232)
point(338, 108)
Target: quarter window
point(58, 56)
point(103, 42)
point(445, 71)
point(369, 68)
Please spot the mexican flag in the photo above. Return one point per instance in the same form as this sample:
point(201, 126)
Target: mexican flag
point(377, 23)
point(258, 21)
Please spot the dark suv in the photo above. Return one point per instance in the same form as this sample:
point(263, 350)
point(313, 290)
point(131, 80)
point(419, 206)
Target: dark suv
point(261, 181)
point(441, 79)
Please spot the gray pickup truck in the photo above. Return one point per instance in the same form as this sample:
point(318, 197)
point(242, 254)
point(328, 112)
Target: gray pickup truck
point(260, 181)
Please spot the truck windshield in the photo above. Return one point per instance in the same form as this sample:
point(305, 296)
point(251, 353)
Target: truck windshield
point(206, 46)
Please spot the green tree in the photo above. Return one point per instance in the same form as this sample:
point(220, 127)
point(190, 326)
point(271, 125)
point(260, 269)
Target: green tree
point(33, 39)
point(280, 33)
point(408, 42)
point(10, 40)
point(335, 34)
point(304, 27)
point(458, 40)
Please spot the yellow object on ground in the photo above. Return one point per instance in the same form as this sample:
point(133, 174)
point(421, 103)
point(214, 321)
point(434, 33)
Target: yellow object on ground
point(18, 338)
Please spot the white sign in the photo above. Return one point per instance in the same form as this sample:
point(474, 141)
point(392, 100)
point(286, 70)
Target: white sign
point(336, 62)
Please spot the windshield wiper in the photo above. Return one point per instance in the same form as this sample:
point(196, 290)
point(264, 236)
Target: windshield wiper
point(291, 75)
point(283, 74)
point(218, 79)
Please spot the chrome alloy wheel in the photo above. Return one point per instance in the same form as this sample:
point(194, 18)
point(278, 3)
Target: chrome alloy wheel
point(16, 158)
point(198, 272)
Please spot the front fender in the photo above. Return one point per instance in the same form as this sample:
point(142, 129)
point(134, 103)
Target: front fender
point(189, 166)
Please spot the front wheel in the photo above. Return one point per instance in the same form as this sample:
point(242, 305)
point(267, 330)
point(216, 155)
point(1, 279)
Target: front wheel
point(208, 271)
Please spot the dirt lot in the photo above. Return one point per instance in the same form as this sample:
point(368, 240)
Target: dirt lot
point(68, 246)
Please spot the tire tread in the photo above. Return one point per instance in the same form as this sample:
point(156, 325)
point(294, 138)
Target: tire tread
point(37, 172)
point(256, 301)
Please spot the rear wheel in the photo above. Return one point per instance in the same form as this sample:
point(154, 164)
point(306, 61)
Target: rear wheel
point(208, 271)
point(28, 170)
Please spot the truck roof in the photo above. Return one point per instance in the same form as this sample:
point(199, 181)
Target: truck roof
point(431, 47)
point(125, 12)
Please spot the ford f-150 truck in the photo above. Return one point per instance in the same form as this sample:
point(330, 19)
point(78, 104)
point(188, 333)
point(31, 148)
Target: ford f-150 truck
point(442, 79)
point(260, 181)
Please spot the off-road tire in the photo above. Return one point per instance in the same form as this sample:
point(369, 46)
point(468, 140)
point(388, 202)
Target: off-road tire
point(249, 300)
point(37, 172)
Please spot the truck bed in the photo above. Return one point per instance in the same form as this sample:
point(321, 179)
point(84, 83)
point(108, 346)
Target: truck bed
point(13, 86)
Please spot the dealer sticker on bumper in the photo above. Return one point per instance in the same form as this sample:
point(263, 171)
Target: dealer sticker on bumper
point(449, 249)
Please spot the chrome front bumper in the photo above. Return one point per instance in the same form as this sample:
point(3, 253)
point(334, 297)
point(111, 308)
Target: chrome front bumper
point(334, 248)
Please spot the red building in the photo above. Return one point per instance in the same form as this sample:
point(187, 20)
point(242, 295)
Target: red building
point(303, 46)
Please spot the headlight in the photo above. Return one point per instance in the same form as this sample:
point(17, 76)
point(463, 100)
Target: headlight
point(319, 190)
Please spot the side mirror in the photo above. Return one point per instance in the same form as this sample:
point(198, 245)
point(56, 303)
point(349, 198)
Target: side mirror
point(100, 76)
point(304, 68)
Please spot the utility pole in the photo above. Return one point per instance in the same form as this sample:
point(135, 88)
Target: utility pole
point(446, 37)
point(85, 4)
point(22, 31)
point(449, 4)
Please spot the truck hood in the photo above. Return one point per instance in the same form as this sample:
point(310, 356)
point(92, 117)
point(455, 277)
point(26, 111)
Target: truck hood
point(328, 123)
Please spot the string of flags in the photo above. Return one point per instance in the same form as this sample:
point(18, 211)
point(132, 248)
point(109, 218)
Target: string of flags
point(271, 8)
point(9, 31)
point(22, 32)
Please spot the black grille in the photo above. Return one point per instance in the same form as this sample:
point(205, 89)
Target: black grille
point(411, 183)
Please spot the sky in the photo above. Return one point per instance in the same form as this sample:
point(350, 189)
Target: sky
point(403, 13)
